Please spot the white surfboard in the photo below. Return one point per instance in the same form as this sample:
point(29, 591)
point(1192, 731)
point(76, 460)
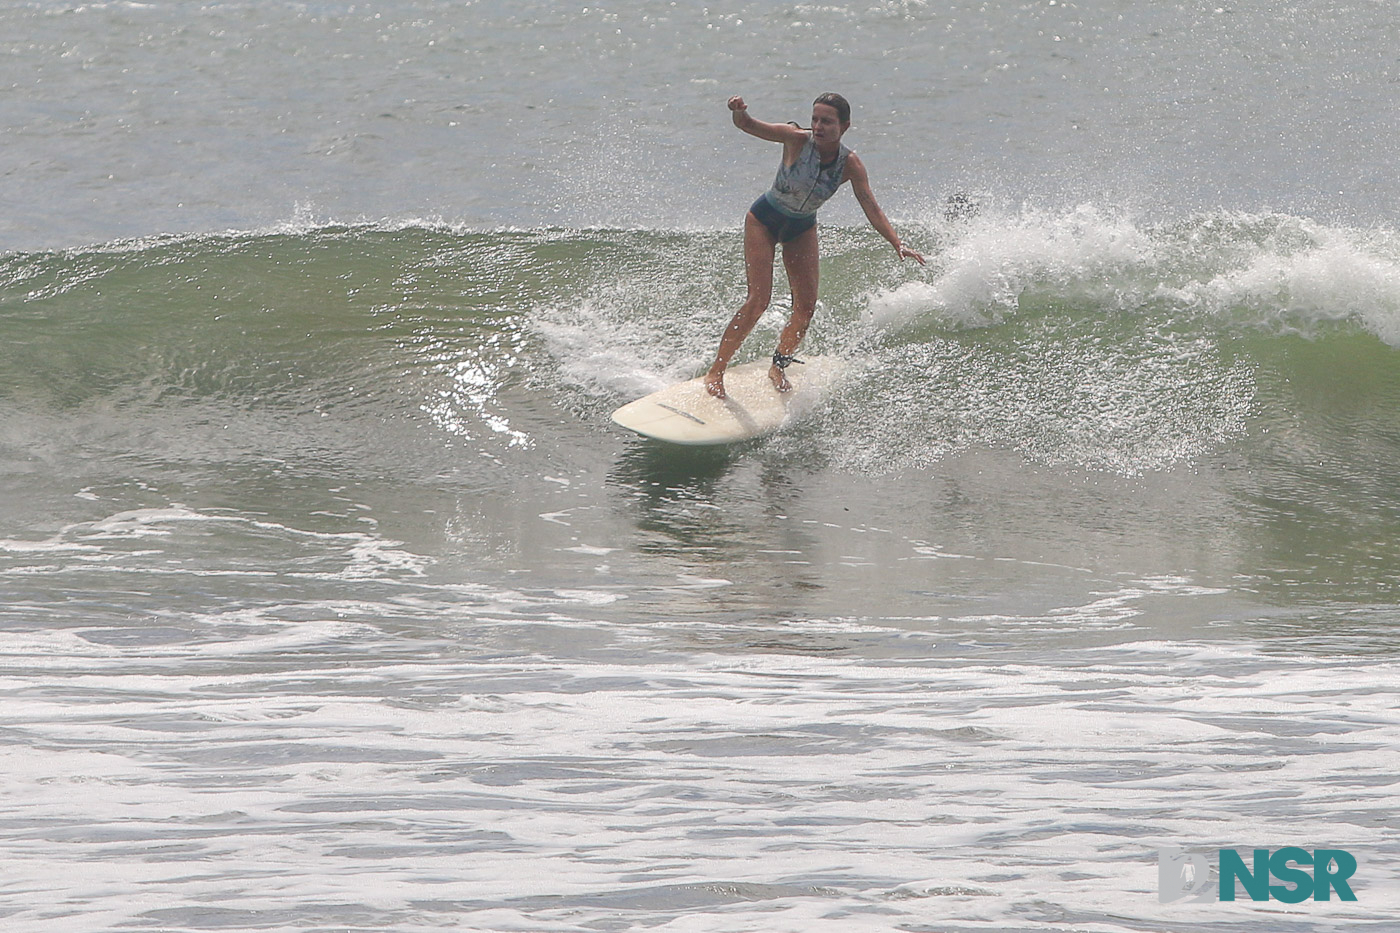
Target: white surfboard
point(686, 414)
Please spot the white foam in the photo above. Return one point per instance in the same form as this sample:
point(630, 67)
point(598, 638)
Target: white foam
point(982, 275)
point(1284, 272)
point(600, 348)
point(1332, 275)
point(777, 789)
point(119, 538)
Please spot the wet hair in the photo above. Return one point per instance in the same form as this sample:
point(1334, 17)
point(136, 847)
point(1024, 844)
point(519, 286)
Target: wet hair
point(843, 109)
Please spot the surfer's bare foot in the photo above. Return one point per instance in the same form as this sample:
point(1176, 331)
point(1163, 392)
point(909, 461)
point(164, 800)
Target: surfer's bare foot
point(779, 379)
point(714, 384)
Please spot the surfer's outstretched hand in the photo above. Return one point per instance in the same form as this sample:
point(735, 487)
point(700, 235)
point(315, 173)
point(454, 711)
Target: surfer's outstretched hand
point(907, 253)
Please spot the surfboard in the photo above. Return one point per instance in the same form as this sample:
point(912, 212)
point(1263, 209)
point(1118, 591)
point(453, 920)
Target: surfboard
point(686, 414)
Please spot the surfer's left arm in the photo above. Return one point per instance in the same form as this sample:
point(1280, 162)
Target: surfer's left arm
point(860, 184)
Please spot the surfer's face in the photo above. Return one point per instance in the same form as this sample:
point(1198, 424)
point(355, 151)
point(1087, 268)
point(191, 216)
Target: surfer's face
point(826, 123)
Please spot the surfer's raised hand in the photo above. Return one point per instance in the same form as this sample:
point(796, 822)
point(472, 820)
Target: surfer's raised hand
point(789, 134)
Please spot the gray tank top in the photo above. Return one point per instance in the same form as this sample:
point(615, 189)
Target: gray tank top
point(806, 185)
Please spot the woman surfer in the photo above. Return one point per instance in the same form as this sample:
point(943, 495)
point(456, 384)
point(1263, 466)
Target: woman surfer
point(815, 163)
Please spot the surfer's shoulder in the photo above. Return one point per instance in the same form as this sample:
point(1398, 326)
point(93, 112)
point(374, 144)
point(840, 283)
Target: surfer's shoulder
point(855, 169)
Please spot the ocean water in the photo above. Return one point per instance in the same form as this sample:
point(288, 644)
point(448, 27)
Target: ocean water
point(330, 598)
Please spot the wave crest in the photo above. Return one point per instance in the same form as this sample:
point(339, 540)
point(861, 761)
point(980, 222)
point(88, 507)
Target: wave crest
point(1277, 272)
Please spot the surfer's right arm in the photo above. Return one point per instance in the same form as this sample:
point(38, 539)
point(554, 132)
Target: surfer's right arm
point(785, 133)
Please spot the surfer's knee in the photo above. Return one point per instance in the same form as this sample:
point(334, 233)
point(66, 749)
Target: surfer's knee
point(749, 313)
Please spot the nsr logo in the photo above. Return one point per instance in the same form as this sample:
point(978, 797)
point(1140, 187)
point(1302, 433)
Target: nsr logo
point(1181, 875)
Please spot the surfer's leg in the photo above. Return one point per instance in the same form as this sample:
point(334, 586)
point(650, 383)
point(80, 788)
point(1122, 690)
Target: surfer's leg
point(759, 248)
point(800, 256)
